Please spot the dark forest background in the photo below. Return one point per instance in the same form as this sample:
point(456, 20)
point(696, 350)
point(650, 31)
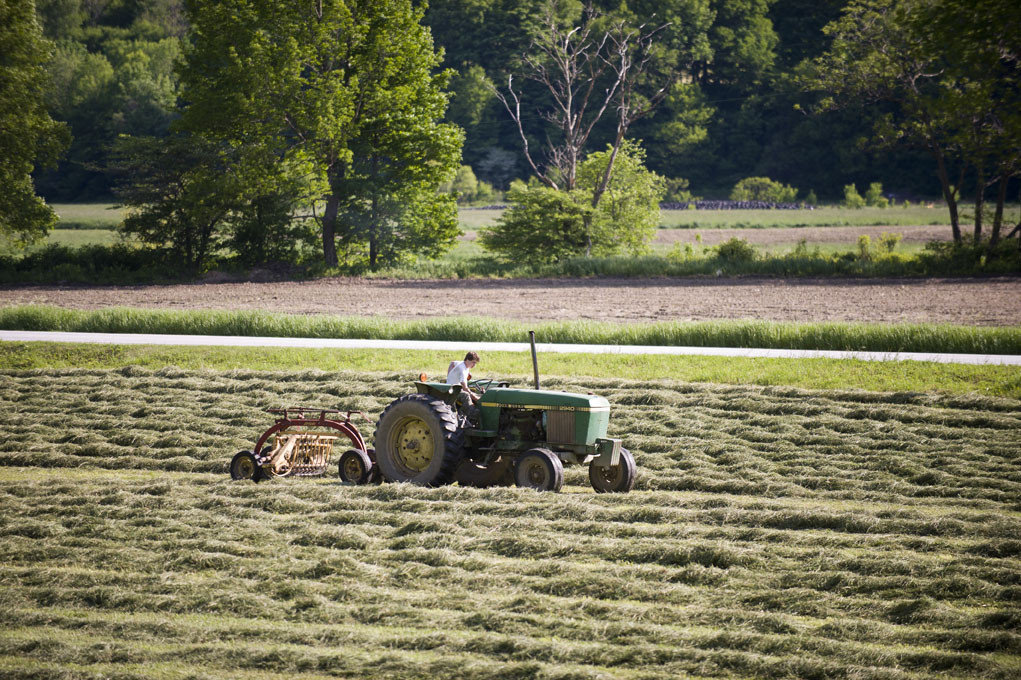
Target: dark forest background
point(740, 113)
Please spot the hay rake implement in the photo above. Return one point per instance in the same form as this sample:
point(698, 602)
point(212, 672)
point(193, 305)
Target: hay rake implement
point(301, 442)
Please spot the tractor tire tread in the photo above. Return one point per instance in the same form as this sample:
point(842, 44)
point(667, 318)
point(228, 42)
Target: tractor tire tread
point(453, 435)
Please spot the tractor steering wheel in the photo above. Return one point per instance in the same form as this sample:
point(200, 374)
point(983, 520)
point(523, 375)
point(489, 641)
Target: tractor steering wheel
point(482, 384)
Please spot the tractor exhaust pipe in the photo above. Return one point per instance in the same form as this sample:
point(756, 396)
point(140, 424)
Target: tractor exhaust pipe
point(535, 361)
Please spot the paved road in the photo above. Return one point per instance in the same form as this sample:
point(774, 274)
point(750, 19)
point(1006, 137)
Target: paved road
point(239, 341)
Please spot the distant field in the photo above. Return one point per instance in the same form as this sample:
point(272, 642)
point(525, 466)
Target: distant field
point(85, 224)
point(88, 215)
point(74, 238)
point(825, 216)
point(788, 243)
point(773, 533)
point(71, 238)
point(80, 224)
point(106, 216)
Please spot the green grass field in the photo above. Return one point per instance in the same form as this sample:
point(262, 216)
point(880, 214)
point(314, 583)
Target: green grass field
point(107, 216)
point(824, 216)
point(815, 374)
point(75, 238)
point(88, 215)
point(773, 533)
point(470, 256)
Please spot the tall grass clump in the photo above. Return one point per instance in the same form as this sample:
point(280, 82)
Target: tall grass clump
point(760, 334)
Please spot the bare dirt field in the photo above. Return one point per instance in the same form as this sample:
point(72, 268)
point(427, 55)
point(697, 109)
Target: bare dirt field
point(985, 302)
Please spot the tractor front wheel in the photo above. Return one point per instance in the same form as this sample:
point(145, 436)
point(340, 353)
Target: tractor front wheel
point(244, 466)
point(539, 469)
point(418, 440)
point(617, 479)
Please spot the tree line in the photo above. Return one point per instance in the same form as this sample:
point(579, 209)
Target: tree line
point(259, 127)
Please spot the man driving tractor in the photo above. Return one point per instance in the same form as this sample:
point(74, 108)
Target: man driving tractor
point(458, 373)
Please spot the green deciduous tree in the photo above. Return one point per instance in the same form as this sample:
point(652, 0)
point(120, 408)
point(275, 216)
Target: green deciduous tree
point(172, 190)
point(28, 135)
point(627, 215)
point(198, 205)
point(982, 94)
point(464, 186)
point(950, 76)
point(347, 90)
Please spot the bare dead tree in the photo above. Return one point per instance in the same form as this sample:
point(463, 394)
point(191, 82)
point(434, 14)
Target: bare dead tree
point(630, 60)
point(587, 73)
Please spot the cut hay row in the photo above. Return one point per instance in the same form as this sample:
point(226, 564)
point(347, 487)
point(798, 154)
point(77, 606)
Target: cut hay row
point(773, 533)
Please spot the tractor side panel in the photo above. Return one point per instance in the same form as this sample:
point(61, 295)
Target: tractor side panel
point(591, 425)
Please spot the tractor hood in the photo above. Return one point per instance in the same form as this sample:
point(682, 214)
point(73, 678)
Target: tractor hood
point(545, 400)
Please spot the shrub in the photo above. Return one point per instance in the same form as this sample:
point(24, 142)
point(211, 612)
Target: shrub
point(852, 199)
point(864, 247)
point(736, 250)
point(763, 189)
point(486, 193)
point(947, 257)
point(543, 225)
point(681, 253)
point(874, 196)
point(677, 191)
point(887, 242)
point(118, 263)
point(546, 225)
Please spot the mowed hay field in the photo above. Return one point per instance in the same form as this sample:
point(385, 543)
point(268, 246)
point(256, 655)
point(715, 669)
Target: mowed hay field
point(773, 533)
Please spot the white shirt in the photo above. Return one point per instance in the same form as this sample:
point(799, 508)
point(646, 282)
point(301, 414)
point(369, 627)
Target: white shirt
point(458, 374)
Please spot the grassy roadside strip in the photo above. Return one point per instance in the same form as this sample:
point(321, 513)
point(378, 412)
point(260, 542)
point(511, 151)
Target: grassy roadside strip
point(758, 334)
point(907, 376)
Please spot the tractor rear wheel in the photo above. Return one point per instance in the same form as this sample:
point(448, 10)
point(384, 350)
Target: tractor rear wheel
point(418, 440)
point(539, 469)
point(498, 473)
point(617, 479)
point(244, 466)
point(355, 467)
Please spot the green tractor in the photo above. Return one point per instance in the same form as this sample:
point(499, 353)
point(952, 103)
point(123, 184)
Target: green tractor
point(514, 436)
